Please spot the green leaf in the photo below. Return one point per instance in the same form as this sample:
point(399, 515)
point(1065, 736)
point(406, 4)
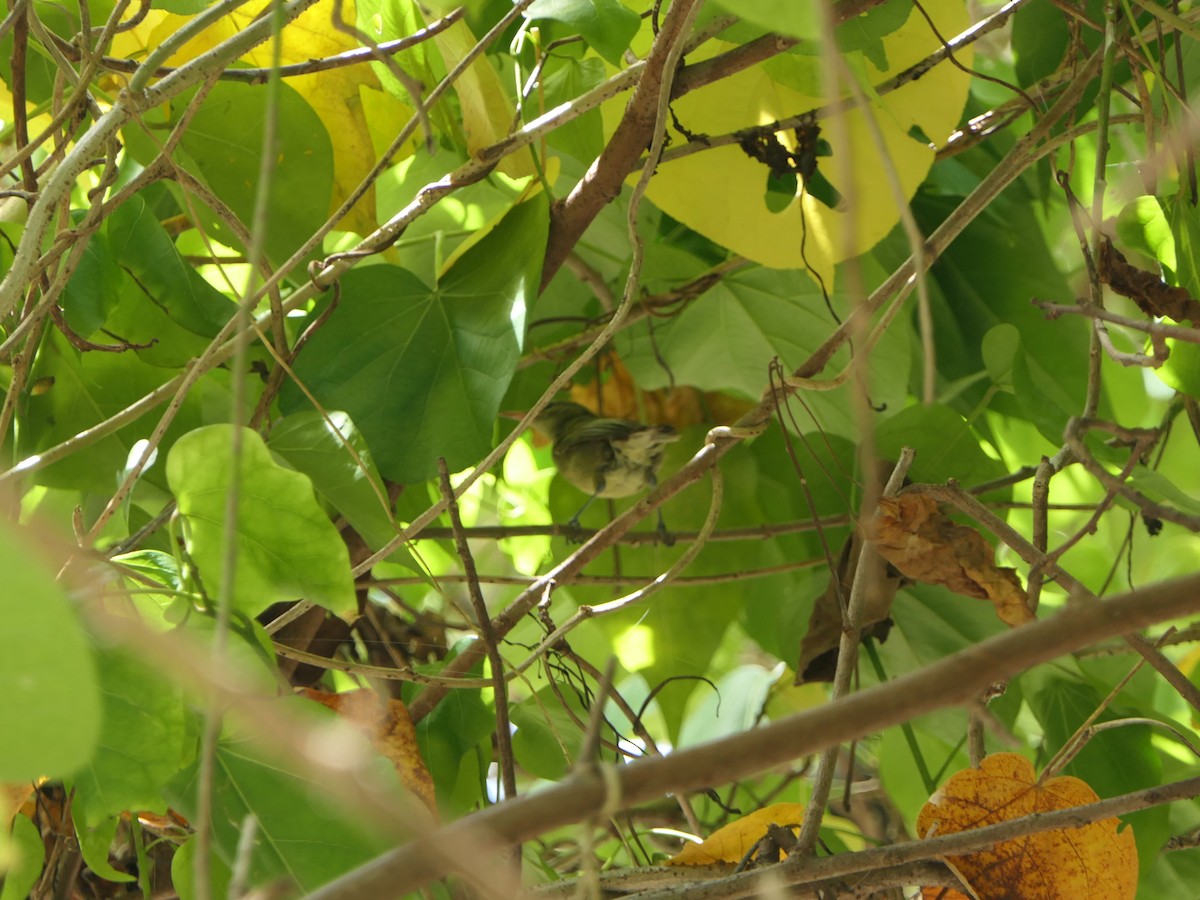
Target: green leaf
point(83, 389)
point(866, 32)
point(93, 288)
point(1000, 348)
point(1039, 40)
point(302, 836)
point(933, 623)
point(225, 142)
point(455, 743)
point(26, 854)
point(436, 235)
point(161, 276)
point(286, 546)
point(944, 443)
point(94, 844)
point(1044, 399)
point(183, 873)
point(564, 79)
point(732, 708)
point(776, 611)
point(1185, 227)
point(800, 20)
point(1157, 487)
point(50, 717)
point(725, 339)
point(1182, 368)
point(182, 7)
point(987, 277)
point(389, 20)
point(145, 740)
point(1142, 225)
point(607, 25)
point(325, 451)
point(548, 740)
point(422, 372)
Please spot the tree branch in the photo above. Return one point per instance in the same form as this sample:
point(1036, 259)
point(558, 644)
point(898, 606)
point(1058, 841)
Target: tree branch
point(571, 217)
point(953, 681)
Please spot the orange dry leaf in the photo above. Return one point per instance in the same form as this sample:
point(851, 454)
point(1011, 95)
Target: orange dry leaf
point(12, 797)
point(732, 842)
point(617, 397)
point(926, 545)
point(388, 725)
point(1098, 861)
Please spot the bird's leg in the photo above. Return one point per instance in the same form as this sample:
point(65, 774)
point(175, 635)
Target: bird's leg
point(665, 536)
point(574, 529)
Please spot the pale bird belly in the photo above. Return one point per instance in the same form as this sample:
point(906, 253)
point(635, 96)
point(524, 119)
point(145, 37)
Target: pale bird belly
point(623, 482)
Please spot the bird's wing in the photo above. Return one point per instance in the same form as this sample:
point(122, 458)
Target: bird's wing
point(613, 430)
point(647, 440)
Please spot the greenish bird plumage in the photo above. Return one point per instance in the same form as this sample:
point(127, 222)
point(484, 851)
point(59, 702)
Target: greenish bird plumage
point(603, 457)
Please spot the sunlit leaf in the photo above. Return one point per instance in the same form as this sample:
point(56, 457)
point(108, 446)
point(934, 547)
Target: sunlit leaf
point(286, 546)
point(422, 371)
point(147, 737)
point(51, 715)
point(606, 25)
point(719, 192)
point(733, 841)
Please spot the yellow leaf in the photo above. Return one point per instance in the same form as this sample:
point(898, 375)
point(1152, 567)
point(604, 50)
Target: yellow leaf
point(336, 95)
point(1098, 861)
point(486, 111)
point(732, 842)
point(720, 193)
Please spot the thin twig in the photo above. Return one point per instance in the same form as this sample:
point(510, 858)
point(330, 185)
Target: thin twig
point(867, 572)
point(508, 770)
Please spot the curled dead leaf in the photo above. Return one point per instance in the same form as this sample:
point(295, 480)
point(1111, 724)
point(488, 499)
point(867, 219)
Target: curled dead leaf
point(1153, 296)
point(1098, 861)
point(732, 842)
point(925, 544)
point(819, 649)
point(388, 725)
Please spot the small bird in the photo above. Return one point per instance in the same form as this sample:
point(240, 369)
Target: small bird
point(604, 457)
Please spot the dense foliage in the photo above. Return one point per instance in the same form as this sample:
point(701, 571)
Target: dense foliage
point(279, 277)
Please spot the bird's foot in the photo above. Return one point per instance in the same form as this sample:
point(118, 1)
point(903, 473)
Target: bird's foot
point(573, 532)
point(667, 539)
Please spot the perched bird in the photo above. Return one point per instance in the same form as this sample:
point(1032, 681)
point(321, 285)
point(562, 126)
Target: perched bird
point(604, 457)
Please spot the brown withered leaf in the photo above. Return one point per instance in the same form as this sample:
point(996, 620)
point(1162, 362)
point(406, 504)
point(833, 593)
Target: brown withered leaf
point(387, 724)
point(316, 631)
point(923, 543)
point(1153, 296)
point(819, 649)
